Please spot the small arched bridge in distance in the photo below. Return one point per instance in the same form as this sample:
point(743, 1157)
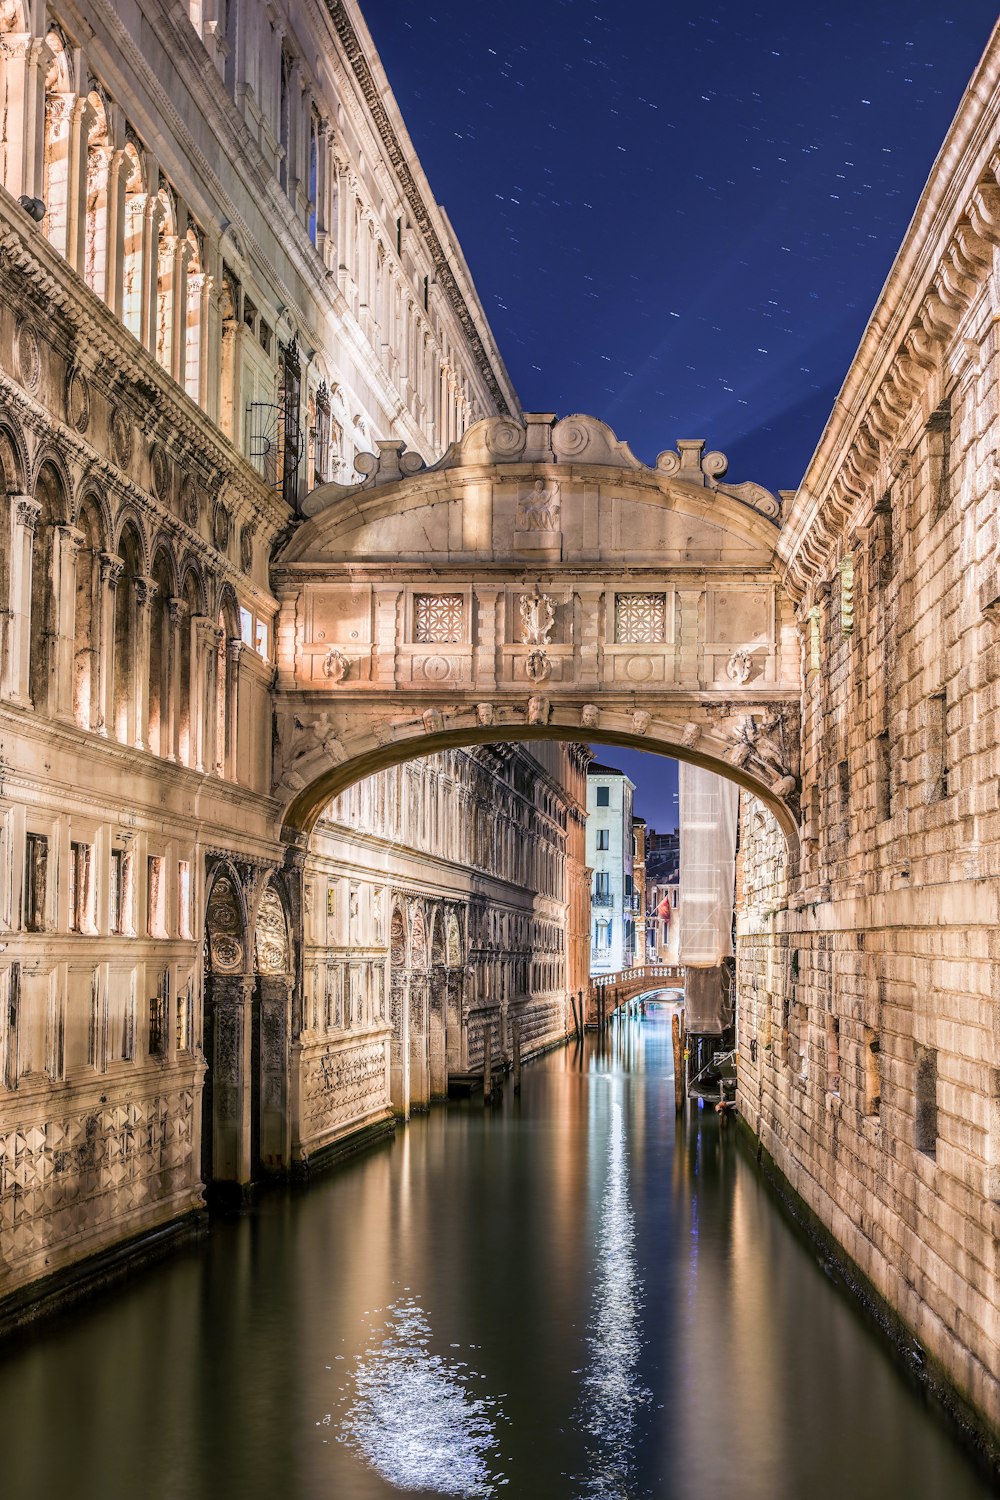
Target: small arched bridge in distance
point(609, 992)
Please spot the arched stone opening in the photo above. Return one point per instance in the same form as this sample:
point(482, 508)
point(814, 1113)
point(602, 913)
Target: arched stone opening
point(270, 1033)
point(454, 1031)
point(419, 1007)
point(399, 1043)
point(333, 770)
point(225, 1119)
point(51, 498)
point(437, 1046)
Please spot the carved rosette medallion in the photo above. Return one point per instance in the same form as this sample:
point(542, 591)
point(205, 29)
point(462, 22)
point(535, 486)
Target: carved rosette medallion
point(120, 432)
point(638, 669)
point(220, 527)
point(27, 357)
point(77, 400)
point(225, 927)
point(159, 472)
point(437, 668)
point(246, 548)
point(190, 505)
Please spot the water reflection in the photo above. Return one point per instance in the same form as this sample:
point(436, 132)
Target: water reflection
point(612, 1392)
point(575, 1246)
point(413, 1416)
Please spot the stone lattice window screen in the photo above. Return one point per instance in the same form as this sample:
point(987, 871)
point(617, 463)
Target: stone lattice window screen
point(437, 618)
point(640, 619)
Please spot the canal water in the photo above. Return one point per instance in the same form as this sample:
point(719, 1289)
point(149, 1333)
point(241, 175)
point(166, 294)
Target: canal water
point(567, 1297)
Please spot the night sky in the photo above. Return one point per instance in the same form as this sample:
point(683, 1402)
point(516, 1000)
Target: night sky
point(679, 217)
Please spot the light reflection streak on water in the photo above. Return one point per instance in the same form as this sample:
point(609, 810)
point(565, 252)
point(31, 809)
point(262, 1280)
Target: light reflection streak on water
point(611, 1395)
point(413, 1417)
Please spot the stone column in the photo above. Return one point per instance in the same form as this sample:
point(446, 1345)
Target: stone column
point(171, 709)
point(145, 592)
point(67, 546)
point(176, 355)
point(24, 513)
point(386, 635)
point(234, 653)
point(150, 268)
point(111, 571)
point(114, 284)
point(202, 645)
point(230, 1000)
point(26, 62)
point(76, 185)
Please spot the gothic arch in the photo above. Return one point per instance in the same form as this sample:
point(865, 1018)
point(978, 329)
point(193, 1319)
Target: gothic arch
point(93, 497)
point(399, 1057)
point(437, 1038)
point(129, 524)
point(14, 464)
point(49, 471)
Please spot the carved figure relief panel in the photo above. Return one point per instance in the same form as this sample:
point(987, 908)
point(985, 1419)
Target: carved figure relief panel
point(271, 934)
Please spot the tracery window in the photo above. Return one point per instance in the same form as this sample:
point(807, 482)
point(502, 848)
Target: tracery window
point(640, 618)
point(437, 618)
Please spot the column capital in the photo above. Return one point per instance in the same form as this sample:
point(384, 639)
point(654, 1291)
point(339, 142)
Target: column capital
point(112, 568)
point(26, 510)
point(146, 590)
point(177, 608)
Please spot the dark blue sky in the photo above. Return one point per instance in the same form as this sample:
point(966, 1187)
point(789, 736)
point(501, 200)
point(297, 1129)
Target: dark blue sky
point(679, 217)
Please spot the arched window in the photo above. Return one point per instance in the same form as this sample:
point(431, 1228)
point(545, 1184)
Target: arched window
point(194, 332)
point(50, 494)
point(95, 265)
point(313, 176)
point(86, 620)
point(229, 301)
point(159, 714)
point(133, 279)
point(285, 117)
point(166, 279)
point(225, 690)
point(190, 608)
point(11, 483)
point(59, 100)
point(124, 654)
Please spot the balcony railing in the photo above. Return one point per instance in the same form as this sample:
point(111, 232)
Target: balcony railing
point(602, 898)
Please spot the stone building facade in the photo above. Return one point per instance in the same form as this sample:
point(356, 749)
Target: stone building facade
point(869, 972)
point(226, 275)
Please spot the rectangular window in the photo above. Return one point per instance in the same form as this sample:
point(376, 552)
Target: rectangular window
point(156, 920)
point(873, 1072)
point(159, 1007)
point(926, 1122)
point(260, 639)
point(184, 898)
point(939, 458)
point(81, 888)
point(603, 796)
point(603, 838)
point(120, 904)
point(10, 1017)
point(833, 1054)
point(602, 884)
point(246, 627)
point(184, 1018)
point(640, 619)
point(438, 618)
point(36, 862)
point(937, 747)
point(883, 779)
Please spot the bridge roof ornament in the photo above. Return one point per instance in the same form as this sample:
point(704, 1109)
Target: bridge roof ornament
point(541, 438)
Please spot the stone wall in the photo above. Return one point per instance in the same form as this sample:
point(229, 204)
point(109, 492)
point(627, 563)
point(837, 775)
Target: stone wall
point(870, 984)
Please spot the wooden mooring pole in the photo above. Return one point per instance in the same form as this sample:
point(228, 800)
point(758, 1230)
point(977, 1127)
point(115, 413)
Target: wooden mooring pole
point(675, 1027)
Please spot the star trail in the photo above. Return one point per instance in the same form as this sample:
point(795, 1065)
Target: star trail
point(679, 217)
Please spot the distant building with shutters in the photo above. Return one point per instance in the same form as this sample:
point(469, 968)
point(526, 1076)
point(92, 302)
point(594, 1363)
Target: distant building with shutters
point(610, 857)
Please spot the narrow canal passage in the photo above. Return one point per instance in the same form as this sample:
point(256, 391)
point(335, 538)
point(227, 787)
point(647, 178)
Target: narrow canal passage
point(561, 1298)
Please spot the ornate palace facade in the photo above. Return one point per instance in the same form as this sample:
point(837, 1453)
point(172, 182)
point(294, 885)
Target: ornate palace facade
point(239, 279)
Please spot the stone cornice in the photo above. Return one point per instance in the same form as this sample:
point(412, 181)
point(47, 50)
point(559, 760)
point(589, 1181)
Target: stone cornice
point(945, 261)
point(375, 91)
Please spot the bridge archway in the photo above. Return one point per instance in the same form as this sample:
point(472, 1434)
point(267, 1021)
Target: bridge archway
point(538, 582)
